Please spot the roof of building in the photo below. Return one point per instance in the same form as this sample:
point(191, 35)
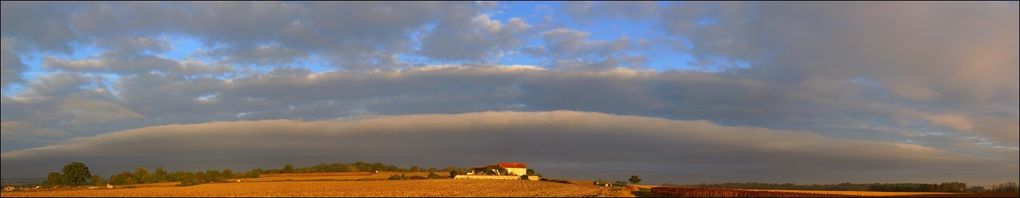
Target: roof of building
point(512, 165)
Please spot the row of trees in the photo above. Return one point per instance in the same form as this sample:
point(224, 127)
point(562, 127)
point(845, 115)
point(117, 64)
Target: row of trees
point(143, 176)
point(884, 187)
point(358, 166)
point(1005, 187)
point(77, 174)
point(911, 187)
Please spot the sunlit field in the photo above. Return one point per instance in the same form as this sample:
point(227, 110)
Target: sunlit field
point(437, 187)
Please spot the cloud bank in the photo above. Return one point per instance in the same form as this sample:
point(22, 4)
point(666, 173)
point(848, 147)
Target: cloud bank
point(561, 143)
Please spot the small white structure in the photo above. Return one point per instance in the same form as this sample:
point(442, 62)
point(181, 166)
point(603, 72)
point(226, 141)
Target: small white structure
point(109, 186)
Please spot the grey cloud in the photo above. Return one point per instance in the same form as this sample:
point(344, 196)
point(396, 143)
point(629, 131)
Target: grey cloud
point(131, 63)
point(10, 64)
point(572, 49)
point(132, 56)
point(587, 11)
point(354, 35)
point(134, 45)
point(472, 38)
point(728, 99)
point(559, 143)
point(570, 42)
point(60, 106)
point(37, 24)
point(908, 48)
point(260, 55)
point(951, 63)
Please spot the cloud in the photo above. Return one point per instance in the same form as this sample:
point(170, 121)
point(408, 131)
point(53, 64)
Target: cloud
point(585, 11)
point(293, 93)
point(353, 35)
point(571, 49)
point(36, 24)
point(10, 64)
point(472, 38)
point(551, 141)
point(908, 48)
point(261, 55)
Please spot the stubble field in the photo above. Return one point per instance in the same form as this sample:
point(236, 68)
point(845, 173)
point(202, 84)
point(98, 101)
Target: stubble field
point(416, 188)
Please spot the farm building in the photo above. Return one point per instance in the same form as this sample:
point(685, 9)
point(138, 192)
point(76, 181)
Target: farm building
point(501, 170)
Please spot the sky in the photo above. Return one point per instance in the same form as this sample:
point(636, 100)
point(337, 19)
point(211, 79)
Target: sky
point(679, 92)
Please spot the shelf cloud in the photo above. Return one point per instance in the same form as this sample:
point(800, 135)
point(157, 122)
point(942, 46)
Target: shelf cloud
point(555, 141)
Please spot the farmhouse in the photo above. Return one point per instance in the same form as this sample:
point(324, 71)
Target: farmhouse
point(501, 170)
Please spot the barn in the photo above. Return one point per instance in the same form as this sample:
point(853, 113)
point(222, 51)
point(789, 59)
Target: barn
point(501, 168)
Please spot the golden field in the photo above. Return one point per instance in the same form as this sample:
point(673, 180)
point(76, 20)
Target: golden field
point(415, 188)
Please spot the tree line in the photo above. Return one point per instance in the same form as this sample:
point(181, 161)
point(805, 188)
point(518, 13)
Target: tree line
point(78, 174)
point(882, 187)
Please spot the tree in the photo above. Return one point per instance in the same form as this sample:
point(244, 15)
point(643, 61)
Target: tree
point(530, 172)
point(227, 173)
point(97, 180)
point(76, 174)
point(348, 168)
point(213, 175)
point(415, 168)
point(160, 175)
point(454, 173)
point(199, 177)
point(634, 179)
point(122, 178)
point(1005, 187)
point(141, 175)
point(129, 181)
point(288, 169)
point(54, 179)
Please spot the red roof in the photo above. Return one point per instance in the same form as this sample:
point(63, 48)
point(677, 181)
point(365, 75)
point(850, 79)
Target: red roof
point(512, 165)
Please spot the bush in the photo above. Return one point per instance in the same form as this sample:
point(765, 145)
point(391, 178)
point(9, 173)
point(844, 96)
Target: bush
point(433, 175)
point(454, 173)
point(396, 177)
point(416, 177)
point(555, 180)
point(634, 179)
point(288, 169)
point(54, 179)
